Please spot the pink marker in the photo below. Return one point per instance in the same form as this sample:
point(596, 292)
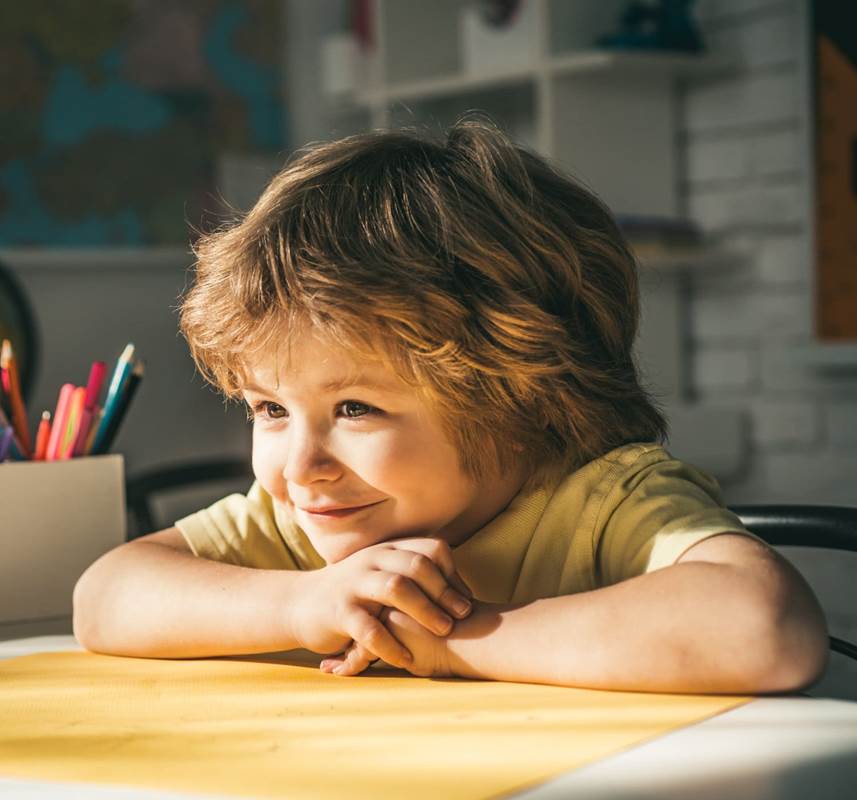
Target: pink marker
point(60, 421)
point(93, 386)
point(93, 389)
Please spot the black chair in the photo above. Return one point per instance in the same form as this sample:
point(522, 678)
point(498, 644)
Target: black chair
point(18, 323)
point(141, 489)
point(827, 527)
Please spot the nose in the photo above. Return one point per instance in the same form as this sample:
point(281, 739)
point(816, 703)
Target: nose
point(308, 458)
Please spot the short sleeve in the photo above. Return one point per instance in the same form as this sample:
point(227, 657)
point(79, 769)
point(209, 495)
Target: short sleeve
point(240, 530)
point(657, 509)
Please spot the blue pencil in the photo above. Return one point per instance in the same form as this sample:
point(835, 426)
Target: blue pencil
point(113, 402)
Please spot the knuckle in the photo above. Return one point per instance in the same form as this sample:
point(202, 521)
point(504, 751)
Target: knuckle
point(372, 638)
point(395, 584)
point(419, 564)
point(440, 551)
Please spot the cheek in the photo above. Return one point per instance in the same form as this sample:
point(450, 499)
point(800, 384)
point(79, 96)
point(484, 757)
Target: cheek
point(418, 466)
point(267, 466)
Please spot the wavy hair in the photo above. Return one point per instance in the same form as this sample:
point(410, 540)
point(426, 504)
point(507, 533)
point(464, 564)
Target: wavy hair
point(498, 287)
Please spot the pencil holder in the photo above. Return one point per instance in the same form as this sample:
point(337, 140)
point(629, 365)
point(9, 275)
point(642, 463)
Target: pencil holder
point(56, 518)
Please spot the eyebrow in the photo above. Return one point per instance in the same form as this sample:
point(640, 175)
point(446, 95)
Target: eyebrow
point(337, 384)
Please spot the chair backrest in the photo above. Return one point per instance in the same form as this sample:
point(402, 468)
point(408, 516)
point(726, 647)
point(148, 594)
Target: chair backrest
point(141, 489)
point(828, 527)
point(18, 323)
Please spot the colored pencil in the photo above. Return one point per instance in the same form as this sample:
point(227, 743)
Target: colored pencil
point(60, 419)
point(97, 416)
point(6, 442)
point(42, 436)
point(15, 450)
point(124, 366)
point(73, 420)
point(122, 404)
point(16, 401)
point(93, 390)
point(93, 384)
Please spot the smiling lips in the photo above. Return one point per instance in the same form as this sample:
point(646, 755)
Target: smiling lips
point(340, 511)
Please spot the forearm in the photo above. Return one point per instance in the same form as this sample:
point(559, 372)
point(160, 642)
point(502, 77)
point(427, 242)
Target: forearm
point(694, 627)
point(149, 600)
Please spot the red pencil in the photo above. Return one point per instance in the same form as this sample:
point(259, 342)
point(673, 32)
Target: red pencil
point(42, 436)
point(16, 401)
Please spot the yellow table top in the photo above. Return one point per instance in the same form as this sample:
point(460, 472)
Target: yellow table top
point(275, 726)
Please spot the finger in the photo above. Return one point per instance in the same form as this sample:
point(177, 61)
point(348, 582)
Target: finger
point(353, 661)
point(396, 591)
point(438, 551)
point(435, 549)
point(369, 632)
point(425, 573)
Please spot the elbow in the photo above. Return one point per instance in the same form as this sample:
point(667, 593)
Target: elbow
point(795, 644)
point(82, 620)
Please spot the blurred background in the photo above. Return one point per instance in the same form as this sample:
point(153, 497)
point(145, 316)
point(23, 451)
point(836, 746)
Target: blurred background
point(723, 133)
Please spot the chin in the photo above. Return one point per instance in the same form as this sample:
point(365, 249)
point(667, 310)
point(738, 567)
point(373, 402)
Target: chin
point(337, 547)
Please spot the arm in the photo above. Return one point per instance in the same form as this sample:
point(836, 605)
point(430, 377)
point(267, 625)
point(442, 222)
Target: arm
point(153, 598)
point(731, 616)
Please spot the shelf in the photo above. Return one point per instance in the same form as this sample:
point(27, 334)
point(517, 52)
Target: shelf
point(696, 259)
point(830, 356)
point(637, 63)
point(448, 86)
point(566, 65)
point(96, 258)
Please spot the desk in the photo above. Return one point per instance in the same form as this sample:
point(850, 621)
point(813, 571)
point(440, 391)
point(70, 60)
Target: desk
point(789, 747)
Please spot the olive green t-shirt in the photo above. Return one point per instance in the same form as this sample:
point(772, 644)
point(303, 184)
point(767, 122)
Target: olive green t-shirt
point(634, 510)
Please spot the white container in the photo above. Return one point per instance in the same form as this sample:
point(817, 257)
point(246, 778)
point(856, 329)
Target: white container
point(56, 518)
point(487, 49)
point(342, 65)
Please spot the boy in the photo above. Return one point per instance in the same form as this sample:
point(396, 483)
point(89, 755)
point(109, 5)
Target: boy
point(435, 344)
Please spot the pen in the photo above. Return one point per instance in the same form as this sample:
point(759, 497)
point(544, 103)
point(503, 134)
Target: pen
point(16, 402)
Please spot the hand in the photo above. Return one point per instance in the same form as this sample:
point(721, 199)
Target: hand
point(341, 605)
point(430, 653)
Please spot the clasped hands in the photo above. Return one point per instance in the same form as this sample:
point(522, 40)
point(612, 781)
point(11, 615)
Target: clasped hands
point(395, 601)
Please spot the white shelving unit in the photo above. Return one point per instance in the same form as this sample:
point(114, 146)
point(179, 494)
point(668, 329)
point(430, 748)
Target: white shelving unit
point(608, 118)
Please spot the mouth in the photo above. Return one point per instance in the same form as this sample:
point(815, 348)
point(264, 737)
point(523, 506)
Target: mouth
point(335, 513)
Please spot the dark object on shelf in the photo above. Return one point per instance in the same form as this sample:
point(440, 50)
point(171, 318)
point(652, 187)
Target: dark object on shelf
point(498, 13)
point(656, 25)
point(18, 324)
point(141, 490)
point(827, 527)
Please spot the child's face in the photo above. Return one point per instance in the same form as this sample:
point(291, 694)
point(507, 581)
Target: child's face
point(370, 448)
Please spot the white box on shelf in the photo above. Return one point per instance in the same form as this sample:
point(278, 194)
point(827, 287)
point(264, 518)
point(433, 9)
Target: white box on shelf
point(343, 65)
point(56, 518)
point(487, 48)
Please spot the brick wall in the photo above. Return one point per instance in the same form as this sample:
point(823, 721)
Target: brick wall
point(746, 168)
point(746, 178)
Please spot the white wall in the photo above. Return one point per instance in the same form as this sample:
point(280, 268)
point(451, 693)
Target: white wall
point(748, 180)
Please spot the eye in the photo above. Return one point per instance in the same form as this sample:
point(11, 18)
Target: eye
point(267, 410)
point(354, 410)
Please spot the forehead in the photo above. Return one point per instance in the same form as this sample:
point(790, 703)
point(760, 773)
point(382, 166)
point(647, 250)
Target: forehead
point(313, 362)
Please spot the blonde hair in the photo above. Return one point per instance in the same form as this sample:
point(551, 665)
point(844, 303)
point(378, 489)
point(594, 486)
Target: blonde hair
point(499, 288)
